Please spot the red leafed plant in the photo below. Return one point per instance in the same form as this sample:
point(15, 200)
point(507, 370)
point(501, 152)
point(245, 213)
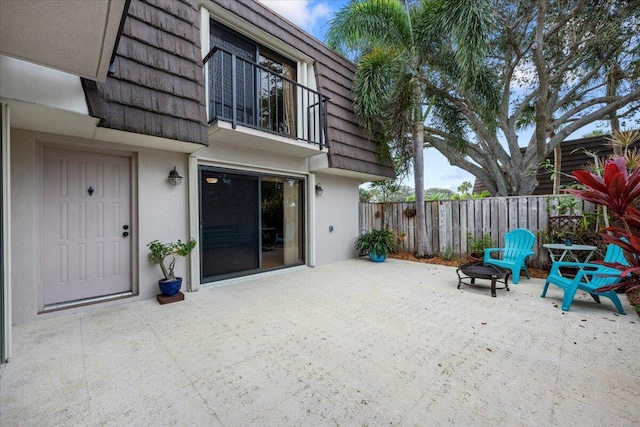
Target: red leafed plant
point(617, 189)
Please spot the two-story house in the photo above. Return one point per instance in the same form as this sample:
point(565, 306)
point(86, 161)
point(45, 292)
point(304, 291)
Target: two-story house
point(216, 120)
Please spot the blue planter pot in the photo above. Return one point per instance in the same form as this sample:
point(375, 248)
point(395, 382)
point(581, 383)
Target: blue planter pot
point(377, 258)
point(170, 287)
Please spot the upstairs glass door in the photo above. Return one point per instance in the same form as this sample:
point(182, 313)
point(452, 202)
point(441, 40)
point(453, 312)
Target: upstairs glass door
point(277, 94)
point(222, 88)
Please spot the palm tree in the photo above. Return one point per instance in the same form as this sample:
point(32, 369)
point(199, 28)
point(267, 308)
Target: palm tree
point(399, 46)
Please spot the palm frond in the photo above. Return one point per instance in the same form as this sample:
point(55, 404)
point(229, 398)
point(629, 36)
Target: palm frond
point(365, 24)
point(372, 84)
point(462, 26)
point(450, 119)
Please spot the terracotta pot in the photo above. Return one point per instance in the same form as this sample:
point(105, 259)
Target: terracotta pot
point(473, 257)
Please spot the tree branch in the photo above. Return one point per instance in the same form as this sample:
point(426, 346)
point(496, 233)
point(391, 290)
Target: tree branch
point(592, 117)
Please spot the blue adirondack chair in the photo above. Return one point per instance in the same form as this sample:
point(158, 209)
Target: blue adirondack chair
point(518, 245)
point(588, 278)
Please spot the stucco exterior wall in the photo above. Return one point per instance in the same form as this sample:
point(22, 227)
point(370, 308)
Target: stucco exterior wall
point(337, 207)
point(241, 157)
point(24, 230)
point(160, 207)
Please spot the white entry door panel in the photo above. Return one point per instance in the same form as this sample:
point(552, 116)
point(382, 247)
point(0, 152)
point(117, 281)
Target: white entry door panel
point(86, 225)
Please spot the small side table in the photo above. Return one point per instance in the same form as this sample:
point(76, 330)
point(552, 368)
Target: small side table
point(480, 270)
point(560, 251)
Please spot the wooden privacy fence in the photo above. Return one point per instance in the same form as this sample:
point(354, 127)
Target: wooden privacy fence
point(448, 222)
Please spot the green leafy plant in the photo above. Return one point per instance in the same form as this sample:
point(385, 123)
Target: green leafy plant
point(379, 242)
point(565, 205)
point(477, 246)
point(160, 252)
point(448, 254)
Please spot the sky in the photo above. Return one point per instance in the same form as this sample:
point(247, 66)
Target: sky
point(314, 16)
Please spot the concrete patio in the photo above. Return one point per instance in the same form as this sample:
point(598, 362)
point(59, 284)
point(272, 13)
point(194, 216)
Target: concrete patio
point(349, 344)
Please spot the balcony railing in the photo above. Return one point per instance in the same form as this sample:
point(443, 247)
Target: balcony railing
point(243, 92)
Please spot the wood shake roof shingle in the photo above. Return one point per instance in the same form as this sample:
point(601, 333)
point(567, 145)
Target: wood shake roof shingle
point(158, 86)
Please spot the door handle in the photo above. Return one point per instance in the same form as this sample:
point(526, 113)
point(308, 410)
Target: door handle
point(125, 234)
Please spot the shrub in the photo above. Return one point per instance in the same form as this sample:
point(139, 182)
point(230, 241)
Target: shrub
point(379, 242)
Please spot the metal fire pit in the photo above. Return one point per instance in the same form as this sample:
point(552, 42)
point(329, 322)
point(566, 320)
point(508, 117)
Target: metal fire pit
point(468, 273)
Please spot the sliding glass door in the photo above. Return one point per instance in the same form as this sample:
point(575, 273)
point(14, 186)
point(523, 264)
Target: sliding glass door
point(229, 229)
point(249, 223)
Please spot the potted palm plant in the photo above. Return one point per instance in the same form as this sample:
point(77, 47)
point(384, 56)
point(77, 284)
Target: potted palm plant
point(376, 243)
point(171, 284)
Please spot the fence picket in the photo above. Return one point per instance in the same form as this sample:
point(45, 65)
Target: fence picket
point(464, 205)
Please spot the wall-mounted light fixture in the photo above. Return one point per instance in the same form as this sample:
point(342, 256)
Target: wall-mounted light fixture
point(174, 177)
point(319, 189)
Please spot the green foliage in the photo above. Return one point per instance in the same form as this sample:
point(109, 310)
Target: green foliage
point(596, 132)
point(564, 205)
point(160, 251)
point(435, 194)
point(477, 246)
point(438, 196)
point(466, 196)
point(448, 254)
point(389, 191)
point(365, 195)
point(465, 187)
point(380, 242)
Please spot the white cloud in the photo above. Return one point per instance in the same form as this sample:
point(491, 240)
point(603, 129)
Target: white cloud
point(303, 13)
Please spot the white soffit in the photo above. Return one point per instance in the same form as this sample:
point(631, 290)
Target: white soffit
point(74, 36)
point(44, 119)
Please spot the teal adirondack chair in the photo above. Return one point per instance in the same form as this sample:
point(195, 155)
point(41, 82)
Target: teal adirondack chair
point(588, 278)
point(518, 245)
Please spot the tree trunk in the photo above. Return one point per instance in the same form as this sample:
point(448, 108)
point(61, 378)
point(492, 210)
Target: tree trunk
point(557, 165)
point(613, 82)
point(418, 174)
point(542, 118)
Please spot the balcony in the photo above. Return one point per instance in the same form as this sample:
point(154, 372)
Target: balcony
point(243, 93)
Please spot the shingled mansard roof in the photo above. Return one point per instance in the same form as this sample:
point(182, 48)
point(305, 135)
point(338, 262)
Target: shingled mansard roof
point(157, 87)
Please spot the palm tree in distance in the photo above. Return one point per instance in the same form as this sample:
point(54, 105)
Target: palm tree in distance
point(401, 48)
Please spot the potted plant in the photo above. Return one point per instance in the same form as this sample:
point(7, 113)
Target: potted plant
point(171, 284)
point(376, 243)
point(477, 246)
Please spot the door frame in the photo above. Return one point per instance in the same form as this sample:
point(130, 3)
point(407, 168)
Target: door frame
point(194, 165)
point(41, 144)
point(5, 236)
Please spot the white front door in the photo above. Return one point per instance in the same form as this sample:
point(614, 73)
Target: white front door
point(86, 225)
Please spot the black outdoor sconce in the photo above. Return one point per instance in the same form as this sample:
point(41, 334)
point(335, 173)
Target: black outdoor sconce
point(174, 177)
point(319, 189)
